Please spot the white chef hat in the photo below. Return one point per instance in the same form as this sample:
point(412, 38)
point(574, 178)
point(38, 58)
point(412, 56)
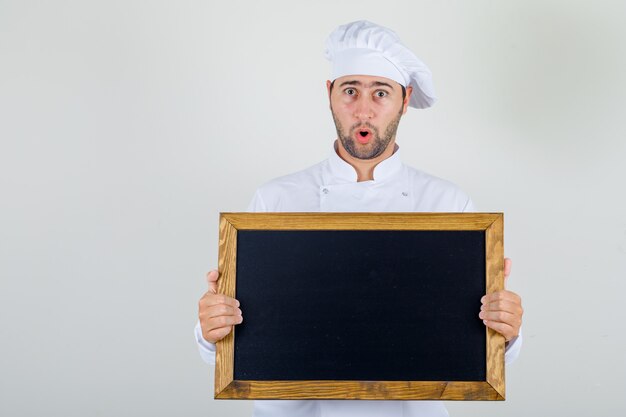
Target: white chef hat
point(365, 48)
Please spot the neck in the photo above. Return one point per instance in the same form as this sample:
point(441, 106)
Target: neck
point(365, 167)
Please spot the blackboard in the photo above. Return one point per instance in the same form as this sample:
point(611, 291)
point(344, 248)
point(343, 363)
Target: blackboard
point(360, 303)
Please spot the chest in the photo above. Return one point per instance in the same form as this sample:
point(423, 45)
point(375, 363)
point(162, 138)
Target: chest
point(365, 196)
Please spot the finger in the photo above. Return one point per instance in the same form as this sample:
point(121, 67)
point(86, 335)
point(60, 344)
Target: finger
point(217, 334)
point(507, 270)
point(210, 299)
point(222, 321)
point(507, 267)
point(501, 295)
point(220, 310)
point(504, 329)
point(211, 278)
point(503, 305)
point(512, 320)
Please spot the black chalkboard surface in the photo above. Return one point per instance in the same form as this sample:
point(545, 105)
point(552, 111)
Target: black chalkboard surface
point(372, 306)
point(360, 305)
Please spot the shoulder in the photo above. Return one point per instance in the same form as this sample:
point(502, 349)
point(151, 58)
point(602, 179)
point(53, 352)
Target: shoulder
point(279, 193)
point(308, 177)
point(435, 193)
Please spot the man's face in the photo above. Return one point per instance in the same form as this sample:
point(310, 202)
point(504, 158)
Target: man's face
point(366, 111)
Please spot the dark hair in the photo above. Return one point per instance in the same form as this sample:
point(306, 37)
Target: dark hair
point(403, 89)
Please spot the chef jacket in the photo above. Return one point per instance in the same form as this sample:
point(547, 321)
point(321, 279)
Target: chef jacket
point(331, 186)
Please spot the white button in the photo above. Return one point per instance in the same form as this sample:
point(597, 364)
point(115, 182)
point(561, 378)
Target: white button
point(404, 193)
point(325, 190)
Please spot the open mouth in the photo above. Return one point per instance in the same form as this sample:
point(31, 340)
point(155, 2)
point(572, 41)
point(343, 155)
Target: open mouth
point(363, 135)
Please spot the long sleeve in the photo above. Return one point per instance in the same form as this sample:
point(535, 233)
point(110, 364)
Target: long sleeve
point(513, 349)
point(206, 349)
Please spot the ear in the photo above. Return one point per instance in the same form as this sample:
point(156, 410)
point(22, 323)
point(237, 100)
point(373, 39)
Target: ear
point(328, 83)
point(407, 99)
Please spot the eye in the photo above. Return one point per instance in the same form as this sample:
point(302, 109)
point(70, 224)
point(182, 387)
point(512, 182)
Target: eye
point(350, 91)
point(381, 94)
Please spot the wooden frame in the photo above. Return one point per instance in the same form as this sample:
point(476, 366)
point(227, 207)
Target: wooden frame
point(492, 388)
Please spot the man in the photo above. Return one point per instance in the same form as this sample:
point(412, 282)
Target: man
point(374, 80)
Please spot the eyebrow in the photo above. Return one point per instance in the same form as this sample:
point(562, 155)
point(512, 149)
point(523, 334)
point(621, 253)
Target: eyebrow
point(370, 85)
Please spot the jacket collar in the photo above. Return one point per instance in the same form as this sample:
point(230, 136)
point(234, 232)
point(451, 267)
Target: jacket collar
point(341, 171)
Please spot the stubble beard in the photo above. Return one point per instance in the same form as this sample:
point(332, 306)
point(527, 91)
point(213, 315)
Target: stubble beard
point(378, 144)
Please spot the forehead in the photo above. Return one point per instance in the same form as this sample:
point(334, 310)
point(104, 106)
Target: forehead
point(366, 81)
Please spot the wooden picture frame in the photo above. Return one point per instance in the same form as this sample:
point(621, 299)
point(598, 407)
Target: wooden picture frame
point(489, 387)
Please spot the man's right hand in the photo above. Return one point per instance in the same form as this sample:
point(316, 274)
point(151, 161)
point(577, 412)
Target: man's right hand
point(218, 313)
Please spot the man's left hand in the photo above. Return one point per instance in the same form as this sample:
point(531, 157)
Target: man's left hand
point(502, 310)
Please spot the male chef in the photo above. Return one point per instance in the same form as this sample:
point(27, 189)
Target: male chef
point(375, 79)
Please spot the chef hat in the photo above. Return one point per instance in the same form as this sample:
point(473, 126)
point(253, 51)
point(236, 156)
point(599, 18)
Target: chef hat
point(365, 48)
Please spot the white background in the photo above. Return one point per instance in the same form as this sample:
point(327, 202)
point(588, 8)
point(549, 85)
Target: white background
point(127, 126)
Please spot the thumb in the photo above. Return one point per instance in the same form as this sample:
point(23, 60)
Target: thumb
point(211, 279)
point(507, 269)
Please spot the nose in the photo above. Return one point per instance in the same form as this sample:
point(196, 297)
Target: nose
point(363, 109)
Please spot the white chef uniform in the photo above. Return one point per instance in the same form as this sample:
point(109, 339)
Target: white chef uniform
point(331, 186)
